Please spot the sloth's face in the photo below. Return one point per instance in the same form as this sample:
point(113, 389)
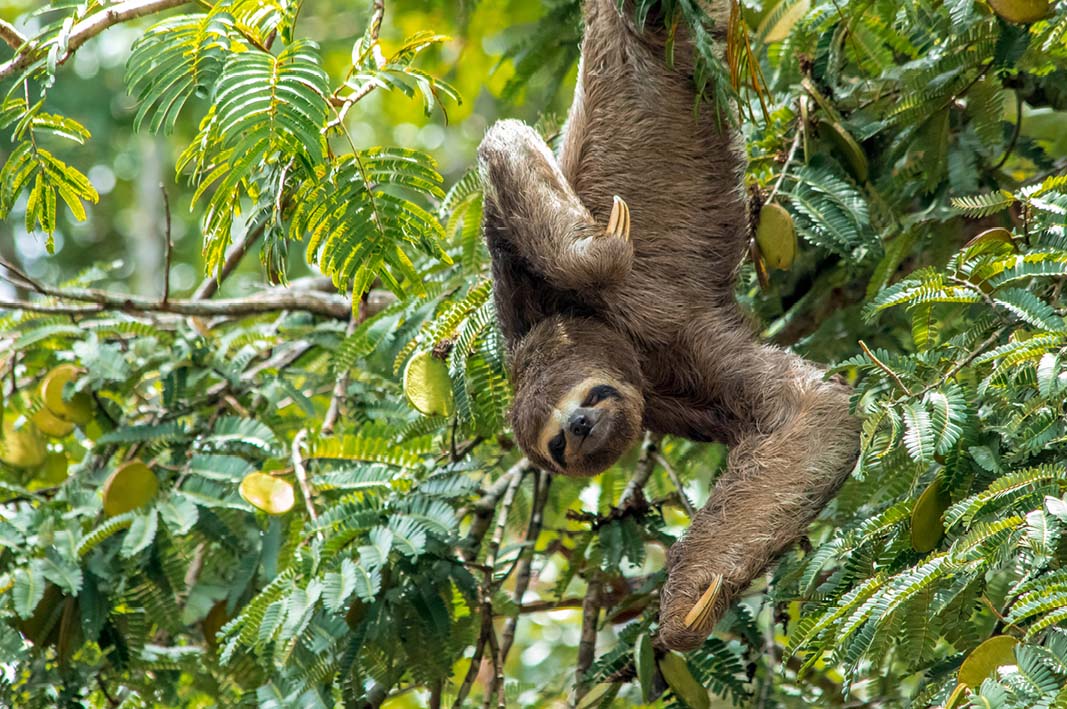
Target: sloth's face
point(588, 427)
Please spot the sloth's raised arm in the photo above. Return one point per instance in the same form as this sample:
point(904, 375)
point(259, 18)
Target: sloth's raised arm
point(532, 213)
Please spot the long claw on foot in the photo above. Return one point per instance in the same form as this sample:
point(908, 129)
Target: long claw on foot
point(701, 611)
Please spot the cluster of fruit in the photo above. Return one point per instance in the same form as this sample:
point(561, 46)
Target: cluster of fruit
point(62, 406)
point(24, 444)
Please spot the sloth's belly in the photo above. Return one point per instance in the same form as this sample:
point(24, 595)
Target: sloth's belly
point(660, 297)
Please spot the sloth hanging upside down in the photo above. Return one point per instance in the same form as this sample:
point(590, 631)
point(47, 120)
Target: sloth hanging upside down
point(614, 270)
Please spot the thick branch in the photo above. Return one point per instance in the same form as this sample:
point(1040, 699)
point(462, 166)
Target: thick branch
point(11, 36)
point(484, 507)
point(332, 306)
point(89, 28)
point(31, 307)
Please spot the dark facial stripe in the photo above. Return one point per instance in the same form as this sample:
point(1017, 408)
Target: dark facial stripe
point(600, 393)
point(556, 447)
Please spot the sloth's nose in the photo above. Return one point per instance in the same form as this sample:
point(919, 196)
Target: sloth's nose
point(580, 425)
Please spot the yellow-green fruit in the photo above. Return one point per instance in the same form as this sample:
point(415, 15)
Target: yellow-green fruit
point(681, 681)
point(1022, 11)
point(132, 485)
point(984, 660)
point(268, 493)
point(995, 240)
point(427, 386)
point(956, 699)
point(776, 237)
point(54, 471)
point(850, 150)
point(79, 409)
point(24, 447)
point(598, 695)
point(927, 526)
point(50, 425)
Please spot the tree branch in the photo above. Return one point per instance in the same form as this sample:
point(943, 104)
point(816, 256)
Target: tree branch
point(210, 285)
point(302, 476)
point(587, 643)
point(326, 305)
point(88, 28)
point(340, 387)
point(683, 499)
point(487, 637)
point(168, 243)
point(542, 482)
point(484, 507)
point(642, 471)
point(11, 36)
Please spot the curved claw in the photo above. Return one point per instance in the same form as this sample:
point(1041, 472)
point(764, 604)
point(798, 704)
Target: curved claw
point(619, 221)
point(699, 614)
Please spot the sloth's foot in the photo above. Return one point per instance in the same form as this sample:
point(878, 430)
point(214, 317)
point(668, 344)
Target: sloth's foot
point(700, 588)
point(619, 221)
point(699, 615)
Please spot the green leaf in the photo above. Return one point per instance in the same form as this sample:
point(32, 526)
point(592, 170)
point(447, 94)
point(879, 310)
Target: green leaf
point(29, 588)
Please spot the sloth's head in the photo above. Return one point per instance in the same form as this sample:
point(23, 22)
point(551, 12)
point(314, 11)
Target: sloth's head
point(578, 403)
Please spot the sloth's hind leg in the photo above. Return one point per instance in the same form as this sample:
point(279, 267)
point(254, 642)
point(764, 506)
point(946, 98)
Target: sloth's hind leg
point(795, 449)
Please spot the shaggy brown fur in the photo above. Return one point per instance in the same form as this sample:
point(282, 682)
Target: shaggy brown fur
point(651, 319)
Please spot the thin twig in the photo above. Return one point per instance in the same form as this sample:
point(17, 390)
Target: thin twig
point(88, 28)
point(966, 360)
point(476, 663)
point(643, 470)
point(673, 475)
point(788, 159)
point(487, 636)
point(771, 657)
point(210, 285)
point(302, 476)
point(488, 586)
point(885, 368)
point(340, 387)
point(587, 641)
point(20, 277)
point(344, 105)
point(168, 243)
point(542, 483)
point(546, 606)
point(1014, 133)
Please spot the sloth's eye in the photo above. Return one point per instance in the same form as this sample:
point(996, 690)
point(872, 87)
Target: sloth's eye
point(599, 393)
point(556, 447)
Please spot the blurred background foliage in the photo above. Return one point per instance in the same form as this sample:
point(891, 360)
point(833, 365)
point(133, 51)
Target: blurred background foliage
point(333, 511)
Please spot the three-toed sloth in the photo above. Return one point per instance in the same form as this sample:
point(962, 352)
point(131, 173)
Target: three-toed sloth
point(614, 270)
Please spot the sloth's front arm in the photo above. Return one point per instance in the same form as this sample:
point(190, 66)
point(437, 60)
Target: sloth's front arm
point(532, 212)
